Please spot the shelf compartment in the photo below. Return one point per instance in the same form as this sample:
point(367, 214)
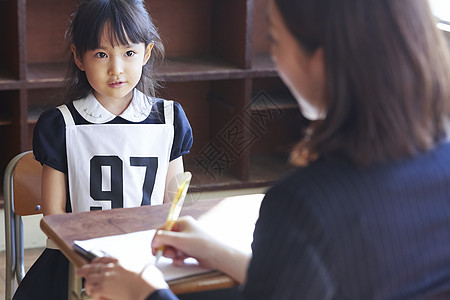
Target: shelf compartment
point(231, 40)
point(193, 97)
point(276, 118)
point(199, 68)
point(277, 131)
point(263, 66)
point(9, 51)
point(7, 113)
point(211, 179)
point(276, 103)
point(46, 24)
point(184, 26)
point(39, 100)
point(9, 84)
point(201, 28)
point(10, 130)
point(46, 75)
point(266, 169)
point(230, 129)
point(271, 93)
point(7, 80)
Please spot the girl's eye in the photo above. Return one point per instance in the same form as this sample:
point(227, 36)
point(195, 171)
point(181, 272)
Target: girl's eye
point(130, 53)
point(100, 55)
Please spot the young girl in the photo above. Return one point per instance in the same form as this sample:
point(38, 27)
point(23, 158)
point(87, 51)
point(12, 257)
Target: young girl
point(113, 145)
point(366, 215)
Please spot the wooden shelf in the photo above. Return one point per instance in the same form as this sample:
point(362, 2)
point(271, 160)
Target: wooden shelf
point(211, 179)
point(48, 75)
point(275, 102)
point(267, 168)
point(199, 68)
point(44, 75)
point(263, 66)
point(7, 80)
point(5, 123)
point(215, 69)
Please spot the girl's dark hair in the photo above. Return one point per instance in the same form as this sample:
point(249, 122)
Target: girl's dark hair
point(128, 21)
point(387, 77)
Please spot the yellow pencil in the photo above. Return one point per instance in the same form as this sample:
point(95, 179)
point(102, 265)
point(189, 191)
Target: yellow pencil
point(175, 209)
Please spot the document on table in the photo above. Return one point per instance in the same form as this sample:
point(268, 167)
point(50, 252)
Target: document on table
point(134, 252)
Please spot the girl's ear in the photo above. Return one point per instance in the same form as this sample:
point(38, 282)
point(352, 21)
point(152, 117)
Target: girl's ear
point(148, 51)
point(77, 60)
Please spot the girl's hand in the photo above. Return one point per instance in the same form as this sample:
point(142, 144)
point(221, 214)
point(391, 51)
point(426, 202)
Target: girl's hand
point(107, 279)
point(188, 239)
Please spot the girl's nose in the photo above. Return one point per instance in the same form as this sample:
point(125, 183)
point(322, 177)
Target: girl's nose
point(115, 67)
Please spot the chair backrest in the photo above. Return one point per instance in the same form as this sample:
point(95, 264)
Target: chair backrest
point(22, 190)
point(27, 186)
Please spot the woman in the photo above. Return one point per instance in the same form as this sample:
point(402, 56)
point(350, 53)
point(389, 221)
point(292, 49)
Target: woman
point(366, 214)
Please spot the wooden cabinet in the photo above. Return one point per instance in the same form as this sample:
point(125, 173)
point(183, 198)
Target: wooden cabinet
point(217, 66)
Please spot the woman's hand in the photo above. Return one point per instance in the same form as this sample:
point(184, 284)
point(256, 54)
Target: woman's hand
point(107, 279)
point(188, 239)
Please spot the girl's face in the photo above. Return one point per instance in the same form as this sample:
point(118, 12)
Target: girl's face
point(113, 71)
point(302, 72)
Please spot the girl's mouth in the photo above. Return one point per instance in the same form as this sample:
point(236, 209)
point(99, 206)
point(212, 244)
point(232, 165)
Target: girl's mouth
point(116, 84)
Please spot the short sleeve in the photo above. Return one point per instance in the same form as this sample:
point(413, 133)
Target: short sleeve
point(182, 141)
point(49, 142)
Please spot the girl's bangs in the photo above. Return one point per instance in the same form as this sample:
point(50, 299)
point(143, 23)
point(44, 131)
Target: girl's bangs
point(122, 29)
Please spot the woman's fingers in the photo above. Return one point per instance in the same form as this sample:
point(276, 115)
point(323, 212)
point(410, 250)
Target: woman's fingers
point(183, 223)
point(166, 238)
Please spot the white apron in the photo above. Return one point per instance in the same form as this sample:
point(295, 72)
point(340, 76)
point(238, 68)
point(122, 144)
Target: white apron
point(117, 165)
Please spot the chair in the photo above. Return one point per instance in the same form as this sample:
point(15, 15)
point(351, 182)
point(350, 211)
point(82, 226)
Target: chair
point(22, 190)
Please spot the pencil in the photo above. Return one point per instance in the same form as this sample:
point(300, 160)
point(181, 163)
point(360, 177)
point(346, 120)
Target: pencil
point(175, 209)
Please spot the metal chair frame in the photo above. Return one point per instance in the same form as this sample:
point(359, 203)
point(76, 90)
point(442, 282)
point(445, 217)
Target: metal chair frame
point(22, 198)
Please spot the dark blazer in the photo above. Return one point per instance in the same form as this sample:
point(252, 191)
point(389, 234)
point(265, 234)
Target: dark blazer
point(335, 231)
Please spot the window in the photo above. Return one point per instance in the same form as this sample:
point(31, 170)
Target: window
point(441, 9)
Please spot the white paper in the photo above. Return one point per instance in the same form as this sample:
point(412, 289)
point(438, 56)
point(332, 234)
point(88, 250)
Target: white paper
point(134, 252)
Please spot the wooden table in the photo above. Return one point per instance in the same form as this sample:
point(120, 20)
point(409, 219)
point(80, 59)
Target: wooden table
point(236, 214)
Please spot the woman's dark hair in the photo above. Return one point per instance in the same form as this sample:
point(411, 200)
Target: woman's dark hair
point(129, 21)
point(387, 77)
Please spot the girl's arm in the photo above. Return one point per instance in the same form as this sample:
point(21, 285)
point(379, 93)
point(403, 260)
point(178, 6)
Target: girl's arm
point(53, 191)
point(173, 178)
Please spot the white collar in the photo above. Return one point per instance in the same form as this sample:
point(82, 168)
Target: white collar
point(91, 110)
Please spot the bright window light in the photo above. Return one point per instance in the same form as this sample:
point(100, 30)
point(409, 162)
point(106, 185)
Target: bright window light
point(441, 9)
